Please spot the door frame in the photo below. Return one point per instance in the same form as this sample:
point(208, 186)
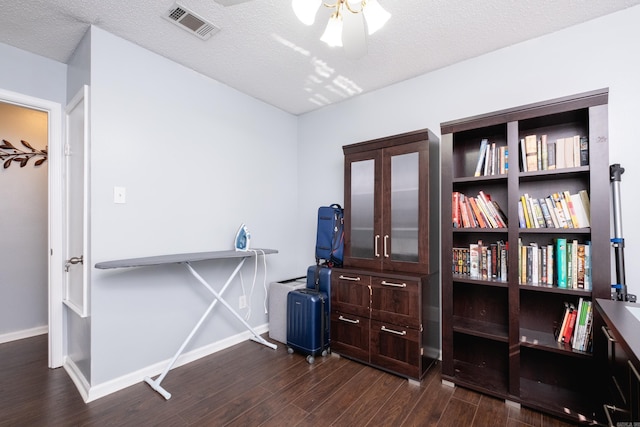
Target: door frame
point(55, 209)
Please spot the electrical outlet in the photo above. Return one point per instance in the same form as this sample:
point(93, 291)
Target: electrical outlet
point(242, 302)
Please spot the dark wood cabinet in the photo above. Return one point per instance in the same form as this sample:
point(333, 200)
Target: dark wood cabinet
point(385, 300)
point(499, 332)
point(619, 362)
point(388, 194)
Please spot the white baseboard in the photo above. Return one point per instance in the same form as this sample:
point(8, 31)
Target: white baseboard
point(27, 333)
point(116, 384)
point(77, 377)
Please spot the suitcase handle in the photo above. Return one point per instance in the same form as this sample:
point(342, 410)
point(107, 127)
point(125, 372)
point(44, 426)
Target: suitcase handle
point(353, 279)
point(397, 285)
point(344, 319)
point(384, 328)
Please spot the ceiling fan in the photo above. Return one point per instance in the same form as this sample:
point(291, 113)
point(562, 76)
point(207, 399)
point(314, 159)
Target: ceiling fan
point(348, 26)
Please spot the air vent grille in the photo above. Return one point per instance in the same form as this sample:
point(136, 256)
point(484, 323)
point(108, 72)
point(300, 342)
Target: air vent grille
point(191, 22)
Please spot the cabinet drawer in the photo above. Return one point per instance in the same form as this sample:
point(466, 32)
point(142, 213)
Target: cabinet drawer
point(395, 348)
point(350, 335)
point(350, 293)
point(396, 301)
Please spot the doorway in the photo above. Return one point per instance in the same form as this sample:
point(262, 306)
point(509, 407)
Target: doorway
point(53, 254)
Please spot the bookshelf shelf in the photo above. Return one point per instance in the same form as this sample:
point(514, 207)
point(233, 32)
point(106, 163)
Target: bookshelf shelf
point(499, 336)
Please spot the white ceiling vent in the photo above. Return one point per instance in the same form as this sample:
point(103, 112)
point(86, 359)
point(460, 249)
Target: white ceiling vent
point(191, 22)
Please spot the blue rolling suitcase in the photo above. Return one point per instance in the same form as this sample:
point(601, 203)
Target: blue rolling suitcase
point(308, 323)
point(330, 235)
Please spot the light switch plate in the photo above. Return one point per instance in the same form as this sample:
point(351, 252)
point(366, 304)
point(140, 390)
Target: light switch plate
point(119, 195)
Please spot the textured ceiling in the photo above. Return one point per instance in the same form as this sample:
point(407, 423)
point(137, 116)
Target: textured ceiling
point(264, 51)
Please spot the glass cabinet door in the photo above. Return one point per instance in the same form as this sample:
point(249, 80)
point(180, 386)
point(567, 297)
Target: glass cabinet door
point(402, 244)
point(362, 209)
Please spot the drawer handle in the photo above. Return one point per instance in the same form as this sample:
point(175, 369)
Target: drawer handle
point(344, 319)
point(607, 334)
point(353, 279)
point(384, 328)
point(633, 369)
point(397, 285)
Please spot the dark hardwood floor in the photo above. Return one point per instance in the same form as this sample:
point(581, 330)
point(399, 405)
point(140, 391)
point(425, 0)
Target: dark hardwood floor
point(247, 385)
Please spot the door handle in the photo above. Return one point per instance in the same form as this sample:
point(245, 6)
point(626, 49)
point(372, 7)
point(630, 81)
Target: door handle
point(72, 260)
point(386, 249)
point(376, 252)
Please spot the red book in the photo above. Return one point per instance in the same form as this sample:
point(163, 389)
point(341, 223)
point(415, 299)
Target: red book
point(455, 209)
point(568, 330)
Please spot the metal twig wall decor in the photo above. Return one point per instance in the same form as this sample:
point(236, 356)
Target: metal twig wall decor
point(9, 154)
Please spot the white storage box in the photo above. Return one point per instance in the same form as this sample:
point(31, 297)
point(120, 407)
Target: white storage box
point(278, 306)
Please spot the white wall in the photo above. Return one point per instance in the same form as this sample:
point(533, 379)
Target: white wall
point(598, 54)
point(23, 225)
point(197, 158)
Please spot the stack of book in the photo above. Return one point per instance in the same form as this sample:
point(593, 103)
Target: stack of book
point(476, 212)
point(558, 210)
point(482, 261)
point(492, 159)
point(564, 264)
point(537, 153)
point(576, 325)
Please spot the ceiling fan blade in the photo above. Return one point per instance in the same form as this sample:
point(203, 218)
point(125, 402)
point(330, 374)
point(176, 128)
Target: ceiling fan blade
point(354, 35)
point(230, 2)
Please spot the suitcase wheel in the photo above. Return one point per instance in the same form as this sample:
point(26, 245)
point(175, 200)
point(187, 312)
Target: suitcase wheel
point(289, 350)
point(311, 359)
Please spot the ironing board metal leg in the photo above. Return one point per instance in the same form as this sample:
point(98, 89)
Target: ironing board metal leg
point(155, 384)
point(218, 297)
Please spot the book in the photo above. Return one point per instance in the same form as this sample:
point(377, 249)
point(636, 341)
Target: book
point(572, 212)
point(552, 212)
point(587, 266)
point(474, 260)
point(576, 151)
point(561, 261)
point(563, 324)
point(537, 210)
point(571, 322)
point(560, 163)
point(539, 153)
point(531, 150)
point(551, 155)
point(580, 324)
point(558, 209)
point(544, 152)
point(525, 210)
point(521, 221)
point(581, 214)
point(568, 153)
point(523, 156)
point(476, 211)
point(455, 209)
point(550, 260)
point(584, 151)
point(580, 265)
point(481, 157)
point(574, 263)
point(586, 204)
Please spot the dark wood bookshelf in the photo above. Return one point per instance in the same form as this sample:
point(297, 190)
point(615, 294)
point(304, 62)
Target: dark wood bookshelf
point(499, 336)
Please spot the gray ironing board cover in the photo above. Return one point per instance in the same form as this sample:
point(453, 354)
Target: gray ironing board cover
point(182, 258)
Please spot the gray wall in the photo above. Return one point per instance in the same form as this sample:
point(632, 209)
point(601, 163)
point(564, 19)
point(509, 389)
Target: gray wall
point(197, 158)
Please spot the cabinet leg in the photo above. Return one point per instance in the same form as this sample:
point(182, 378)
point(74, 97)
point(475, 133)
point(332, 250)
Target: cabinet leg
point(512, 404)
point(448, 383)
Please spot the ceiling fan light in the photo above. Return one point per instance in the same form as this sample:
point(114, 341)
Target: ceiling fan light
point(333, 32)
point(306, 10)
point(375, 15)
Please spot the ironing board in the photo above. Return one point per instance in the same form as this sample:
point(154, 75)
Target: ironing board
point(186, 260)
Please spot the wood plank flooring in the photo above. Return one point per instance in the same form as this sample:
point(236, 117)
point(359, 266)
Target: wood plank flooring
point(248, 385)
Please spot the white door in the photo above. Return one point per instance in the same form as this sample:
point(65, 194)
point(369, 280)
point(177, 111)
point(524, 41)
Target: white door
point(76, 156)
